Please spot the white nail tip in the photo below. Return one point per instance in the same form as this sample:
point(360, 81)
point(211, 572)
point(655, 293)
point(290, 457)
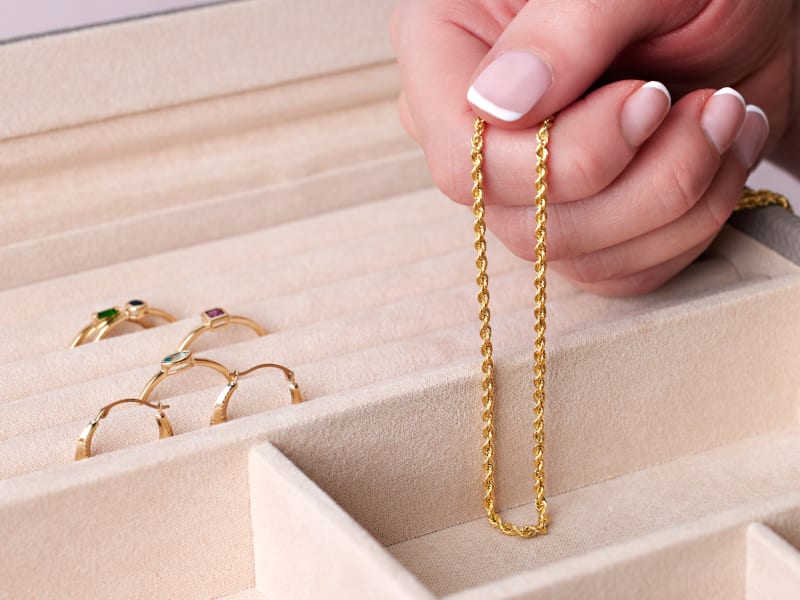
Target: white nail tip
point(752, 108)
point(727, 91)
point(657, 85)
point(487, 106)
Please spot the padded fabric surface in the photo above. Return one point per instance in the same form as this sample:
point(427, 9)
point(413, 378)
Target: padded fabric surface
point(672, 418)
point(373, 306)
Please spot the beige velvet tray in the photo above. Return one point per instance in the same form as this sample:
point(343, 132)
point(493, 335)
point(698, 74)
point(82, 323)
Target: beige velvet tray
point(294, 198)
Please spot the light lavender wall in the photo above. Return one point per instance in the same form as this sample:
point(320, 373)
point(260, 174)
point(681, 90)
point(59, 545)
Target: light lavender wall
point(23, 18)
point(770, 176)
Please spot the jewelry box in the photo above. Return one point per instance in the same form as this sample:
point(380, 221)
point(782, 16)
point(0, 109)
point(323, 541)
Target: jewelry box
point(248, 154)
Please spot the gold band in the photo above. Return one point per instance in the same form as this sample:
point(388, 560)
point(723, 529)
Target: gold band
point(104, 321)
point(220, 412)
point(214, 318)
point(84, 449)
point(170, 365)
point(178, 362)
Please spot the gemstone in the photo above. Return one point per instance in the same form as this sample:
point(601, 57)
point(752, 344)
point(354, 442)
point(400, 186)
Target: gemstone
point(108, 313)
point(213, 313)
point(136, 303)
point(176, 358)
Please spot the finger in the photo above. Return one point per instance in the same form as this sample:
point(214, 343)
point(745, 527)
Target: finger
point(405, 118)
point(591, 143)
point(753, 136)
point(648, 280)
point(666, 178)
point(598, 135)
point(553, 51)
point(437, 50)
point(703, 221)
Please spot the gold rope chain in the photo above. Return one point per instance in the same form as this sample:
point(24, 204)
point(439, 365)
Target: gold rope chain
point(750, 199)
point(539, 362)
point(760, 198)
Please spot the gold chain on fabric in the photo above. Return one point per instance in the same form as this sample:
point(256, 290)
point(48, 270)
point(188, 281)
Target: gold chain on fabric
point(539, 361)
point(759, 198)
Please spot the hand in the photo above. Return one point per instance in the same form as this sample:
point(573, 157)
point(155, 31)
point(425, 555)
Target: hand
point(636, 193)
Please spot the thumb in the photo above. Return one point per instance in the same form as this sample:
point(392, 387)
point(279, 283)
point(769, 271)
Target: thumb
point(553, 51)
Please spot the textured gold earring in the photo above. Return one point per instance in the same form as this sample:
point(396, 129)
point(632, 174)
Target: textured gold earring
point(84, 449)
point(220, 412)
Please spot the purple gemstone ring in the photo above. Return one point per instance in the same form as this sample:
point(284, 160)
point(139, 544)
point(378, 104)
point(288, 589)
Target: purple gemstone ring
point(214, 318)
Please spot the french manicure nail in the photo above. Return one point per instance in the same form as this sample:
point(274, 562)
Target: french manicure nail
point(752, 137)
point(511, 85)
point(722, 117)
point(643, 112)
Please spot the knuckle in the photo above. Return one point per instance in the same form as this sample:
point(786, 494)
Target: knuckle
point(716, 215)
point(682, 188)
point(562, 232)
point(452, 179)
point(638, 286)
point(513, 227)
point(589, 173)
point(594, 267)
point(633, 285)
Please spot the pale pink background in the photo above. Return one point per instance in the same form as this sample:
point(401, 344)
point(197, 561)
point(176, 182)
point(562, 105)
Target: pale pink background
point(22, 18)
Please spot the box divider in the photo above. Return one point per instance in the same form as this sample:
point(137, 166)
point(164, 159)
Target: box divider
point(773, 565)
point(305, 542)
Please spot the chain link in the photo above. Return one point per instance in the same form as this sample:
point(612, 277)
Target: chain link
point(760, 198)
point(539, 356)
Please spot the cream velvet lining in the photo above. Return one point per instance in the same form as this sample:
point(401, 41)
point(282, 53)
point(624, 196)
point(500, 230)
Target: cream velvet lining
point(640, 441)
point(295, 198)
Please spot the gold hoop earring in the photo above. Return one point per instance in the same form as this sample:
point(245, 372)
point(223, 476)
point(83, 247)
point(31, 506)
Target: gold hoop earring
point(220, 412)
point(179, 362)
point(214, 318)
point(135, 311)
point(84, 449)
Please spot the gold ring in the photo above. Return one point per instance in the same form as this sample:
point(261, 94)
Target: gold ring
point(214, 318)
point(135, 311)
point(220, 411)
point(84, 449)
point(178, 362)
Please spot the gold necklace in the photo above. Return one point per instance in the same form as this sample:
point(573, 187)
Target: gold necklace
point(750, 199)
point(539, 358)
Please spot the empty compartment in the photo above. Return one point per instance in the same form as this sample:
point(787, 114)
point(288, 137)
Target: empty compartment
point(673, 530)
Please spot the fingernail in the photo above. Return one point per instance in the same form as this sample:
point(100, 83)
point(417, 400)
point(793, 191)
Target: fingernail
point(752, 137)
point(722, 117)
point(643, 112)
point(511, 85)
